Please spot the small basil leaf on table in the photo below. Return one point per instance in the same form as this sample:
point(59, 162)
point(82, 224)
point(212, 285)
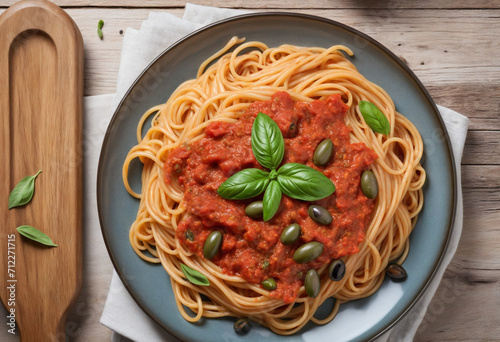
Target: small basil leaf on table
point(194, 276)
point(23, 191)
point(268, 146)
point(100, 24)
point(245, 184)
point(35, 235)
point(374, 118)
point(272, 200)
point(303, 182)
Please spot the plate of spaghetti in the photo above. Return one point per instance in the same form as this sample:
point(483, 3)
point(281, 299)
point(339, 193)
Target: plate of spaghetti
point(267, 176)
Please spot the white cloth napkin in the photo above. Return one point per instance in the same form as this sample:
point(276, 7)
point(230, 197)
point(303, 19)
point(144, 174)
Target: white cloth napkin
point(140, 47)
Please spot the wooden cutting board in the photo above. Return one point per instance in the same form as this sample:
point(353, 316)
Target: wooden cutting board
point(41, 94)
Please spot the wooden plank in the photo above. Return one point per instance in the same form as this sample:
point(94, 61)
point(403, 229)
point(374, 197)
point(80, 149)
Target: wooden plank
point(481, 200)
point(461, 309)
point(479, 102)
point(481, 177)
point(257, 4)
point(479, 248)
point(102, 57)
point(41, 94)
point(482, 148)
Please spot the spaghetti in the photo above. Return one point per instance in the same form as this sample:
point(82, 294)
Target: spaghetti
point(226, 85)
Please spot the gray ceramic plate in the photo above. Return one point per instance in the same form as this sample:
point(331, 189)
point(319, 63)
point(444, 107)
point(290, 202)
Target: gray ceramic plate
point(359, 320)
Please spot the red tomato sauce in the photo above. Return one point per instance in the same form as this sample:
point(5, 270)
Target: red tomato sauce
point(252, 248)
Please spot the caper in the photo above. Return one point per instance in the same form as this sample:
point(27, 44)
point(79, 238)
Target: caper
point(336, 270)
point(369, 184)
point(323, 153)
point(189, 235)
point(290, 234)
point(396, 272)
point(319, 214)
point(269, 284)
point(242, 326)
point(255, 210)
point(308, 252)
point(212, 244)
point(312, 283)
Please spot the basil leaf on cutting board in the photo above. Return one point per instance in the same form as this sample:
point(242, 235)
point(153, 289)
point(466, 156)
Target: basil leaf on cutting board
point(35, 235)
point(23, 191)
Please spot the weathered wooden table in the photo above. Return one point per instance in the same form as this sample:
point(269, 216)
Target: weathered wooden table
point(454, 48)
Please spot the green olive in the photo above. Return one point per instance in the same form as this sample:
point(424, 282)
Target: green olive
point(308, 252)
point(369, 184)
point(312, 283)
point(212, 244)
point(255, 210)
point(336, 270)
point(290, 234)
point(320, 215)
point(269, 284)
point(242, 326)
point(396, 272)
point(323, 153)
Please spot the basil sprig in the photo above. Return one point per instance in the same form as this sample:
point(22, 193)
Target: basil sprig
point(34, 234)
point(294, 180)
point(374, 117)
point(23, 191)
point(194, 276)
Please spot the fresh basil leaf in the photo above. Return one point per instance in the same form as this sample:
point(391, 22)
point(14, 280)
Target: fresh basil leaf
point(267, 142)
point(271, 201)
point(245, 184)
point(23, 191)
point(374, 118)
point(303, 182)
point(194, 276)
point(35, 235)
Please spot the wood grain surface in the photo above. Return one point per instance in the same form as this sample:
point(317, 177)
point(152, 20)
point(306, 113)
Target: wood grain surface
point(267, 4)
point(452, 46)
point(41, 94)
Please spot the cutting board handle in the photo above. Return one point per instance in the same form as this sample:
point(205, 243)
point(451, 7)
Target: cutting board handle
point(41, 96)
